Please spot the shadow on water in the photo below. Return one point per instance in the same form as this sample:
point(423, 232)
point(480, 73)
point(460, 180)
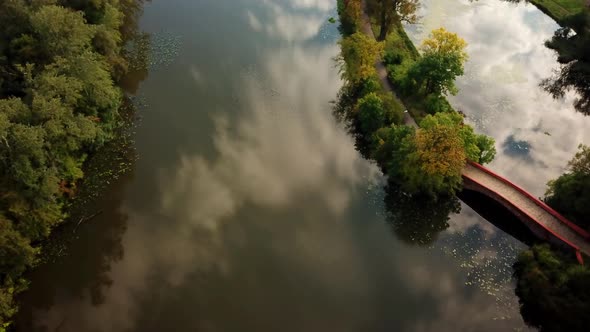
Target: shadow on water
point(418, 220)
point(498, 216)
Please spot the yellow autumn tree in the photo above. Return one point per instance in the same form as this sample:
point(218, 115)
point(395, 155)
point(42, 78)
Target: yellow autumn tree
point(442, 42)
point(359, 53)
point(440, 151)
point(442, 61)
point(437, 159)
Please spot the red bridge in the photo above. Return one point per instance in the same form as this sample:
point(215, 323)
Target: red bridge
point(541, 219)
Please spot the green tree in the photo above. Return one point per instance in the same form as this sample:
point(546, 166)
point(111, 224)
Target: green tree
point(60, 32)
point(394, 109)
point(580, 164)
point(430, 160)
point(553, 289)
point(573, 51)
point(442, 61)
point(359, 54)
point(371, 113)
point(436, 73)
point(58, 103)
point(570, 193)
point(392, 145)
point(16, 253)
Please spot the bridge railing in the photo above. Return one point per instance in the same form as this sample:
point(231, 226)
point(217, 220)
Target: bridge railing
point(538, 202)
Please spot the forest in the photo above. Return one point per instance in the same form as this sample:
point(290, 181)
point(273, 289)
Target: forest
point(60, 61)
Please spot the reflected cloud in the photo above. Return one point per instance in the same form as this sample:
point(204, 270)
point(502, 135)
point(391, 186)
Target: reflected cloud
point(500, 91)
point(278, 151)
point(291, 20)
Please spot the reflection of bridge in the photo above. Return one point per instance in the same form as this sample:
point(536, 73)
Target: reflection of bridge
point(542, 220)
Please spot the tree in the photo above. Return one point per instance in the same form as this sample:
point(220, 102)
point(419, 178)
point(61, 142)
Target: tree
point(487, 150)
point(442, 61)
point(394, 109)
point(435, 166)
point(580, 164)
point(60, 32)
point(570, 193)
point(392, 145)
point(573, 51)
point(371, 113)
point(553, 290)
point(430, 160)
point(350, 12)
point(58, 103)
point(359, 53)
point(16, 253)
point(442, 41)
point(478, 148)
point(394, 12)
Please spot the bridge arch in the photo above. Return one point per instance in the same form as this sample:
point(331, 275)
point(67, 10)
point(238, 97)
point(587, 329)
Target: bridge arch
point(541, 219)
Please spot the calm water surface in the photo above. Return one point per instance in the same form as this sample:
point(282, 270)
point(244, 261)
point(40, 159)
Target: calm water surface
point(249, 209)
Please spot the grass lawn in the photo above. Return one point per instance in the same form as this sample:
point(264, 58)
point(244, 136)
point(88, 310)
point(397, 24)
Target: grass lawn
point(559, 9)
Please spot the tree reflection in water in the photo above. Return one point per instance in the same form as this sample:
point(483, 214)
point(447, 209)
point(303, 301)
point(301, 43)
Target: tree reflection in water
point(418, 220)
point(572, 44)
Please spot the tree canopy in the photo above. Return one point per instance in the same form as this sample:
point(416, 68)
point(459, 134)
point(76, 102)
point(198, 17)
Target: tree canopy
point(430, 159)
point(573, 50)
point(442, 61)
point(359, 53)
point(570, 193)
point(554, 290)
point(59, 61)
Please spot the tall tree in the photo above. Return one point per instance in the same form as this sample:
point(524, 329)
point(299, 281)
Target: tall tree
point(436, 164)
point(570, 193)
point(553, 290)
point(442, 61)
point(395, 11)
point(371, 113)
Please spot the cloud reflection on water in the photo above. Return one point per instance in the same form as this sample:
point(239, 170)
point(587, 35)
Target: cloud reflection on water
point(280, 151)
point(285, 163)
point(500, 91)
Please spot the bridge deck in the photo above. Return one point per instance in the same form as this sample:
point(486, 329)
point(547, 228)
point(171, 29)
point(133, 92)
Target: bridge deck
point(543, 215)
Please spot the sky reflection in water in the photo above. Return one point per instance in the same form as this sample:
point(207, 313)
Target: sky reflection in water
point(251, 210)
point(500, 91)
